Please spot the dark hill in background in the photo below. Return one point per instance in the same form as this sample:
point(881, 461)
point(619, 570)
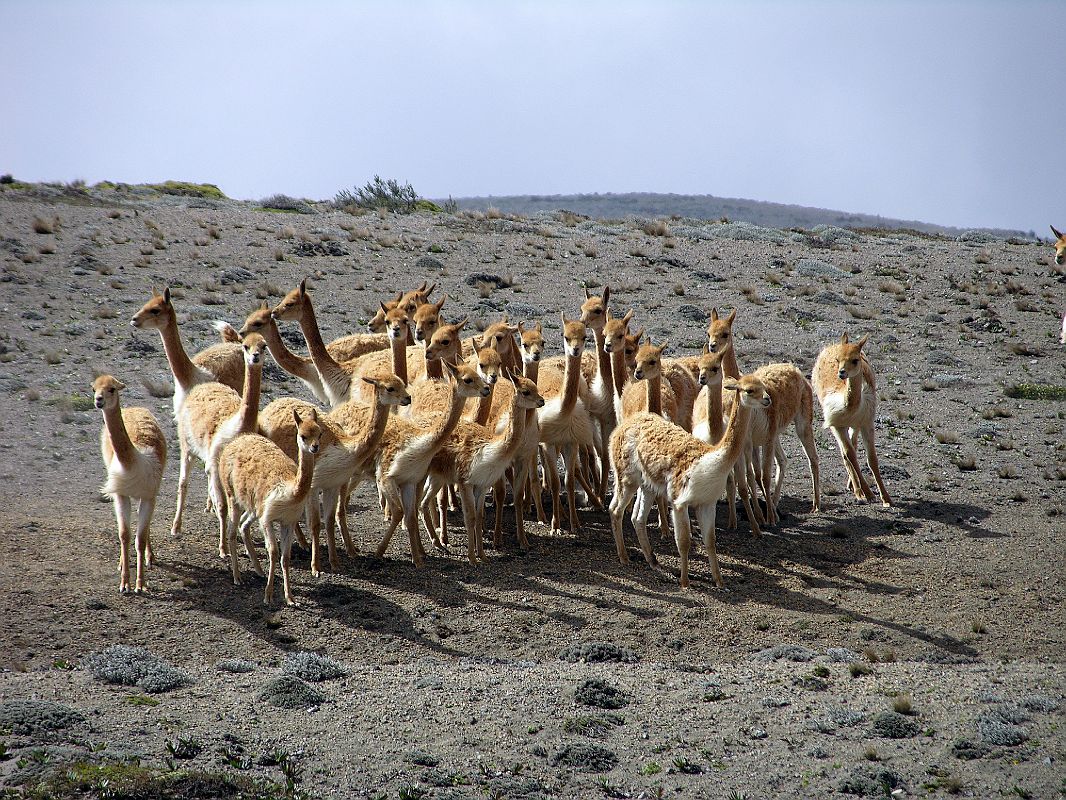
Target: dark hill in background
point(705, 206)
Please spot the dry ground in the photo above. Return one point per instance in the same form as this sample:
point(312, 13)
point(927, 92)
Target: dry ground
point(954, 597)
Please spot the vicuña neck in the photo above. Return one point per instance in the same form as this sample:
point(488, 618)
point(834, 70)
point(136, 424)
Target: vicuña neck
point(253, 380)
point(603, 359)
point(736, 431)
point(853, 392)
point(655, 395)
point(715, 425)
point(531, 370)
point(571, 377)
point(125, 452)
point(180, 364)
point(399, 356)
point(323, 361)
point(305, 472)
point(293, 364)
point(455, 413)
point(516, 428)
point(619, 370)
point(434, 370)
point(729, 363)
point(378, 419)
point(484, 406)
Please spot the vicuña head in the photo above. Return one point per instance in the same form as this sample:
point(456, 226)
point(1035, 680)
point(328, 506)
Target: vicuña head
point(531, 342)
point(849, 357)
point(410, 301)
point(291, 306)
point(156, 313)
point(256, 321)
point(376, 323)
point(427, 319)
point(574, 335)
point(253, 345)
point(446, 339)
point(1060, 246)
point(489, 363)
point(467, 380)
point(594, 309)
point(710, 368)
point(649, 360)
point(750, 390)
point(308, 432)
point(615, 330)
point(526, 392)
point(632, 345)
point(105, 391)
point(391, 391)
point(396, 322)
point(720, 331)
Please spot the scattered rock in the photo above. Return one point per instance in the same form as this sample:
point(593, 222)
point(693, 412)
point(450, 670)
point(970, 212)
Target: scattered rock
point(787, 652)
point(427, 263)
point(308, 249)
point(235, 665)
point(595, 652)
point(692, 313)
point(813, 268)
point(842, 655)
point(235, 275)
point(474, 278)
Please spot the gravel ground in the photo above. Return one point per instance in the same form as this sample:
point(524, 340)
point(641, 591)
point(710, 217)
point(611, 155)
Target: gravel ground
point(453, 684)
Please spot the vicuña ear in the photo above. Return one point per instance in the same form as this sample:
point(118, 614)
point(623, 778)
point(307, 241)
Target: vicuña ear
point(705, 350)
point(314, 414)
point(296, 417)
point(732, 316)
point(664, 345)
point(460, 325)
point(303, 286)
point(119, 384)
point(521, 330)
point(714, 314)
point(628, 317)
point(862, 341)
point(731, 386)
point(440, 303)
point(539, 328)
point(1055, 231)
point(166, 294)
point(371, 381)
point(606, 294)
point(384, 308)
point(562, 316)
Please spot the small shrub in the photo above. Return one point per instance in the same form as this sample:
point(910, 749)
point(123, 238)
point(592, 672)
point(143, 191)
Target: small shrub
point(313, 667)
point(158, 388)
point(135, 666)
point(288, 691)
point(858, 670)
point(902, 704)
point(656, 227)
point(594, 726)
point(600, 694)
point(42, 225)
point(868, 783)
point(282, 202)
point(208, 191)
point(585, 757)
point(999, 731)
point(36, 717)
point(893, 725)
point(597, 652)
point(378, 193)
point(1036, 391)
point(788, 652)
point(236, 665)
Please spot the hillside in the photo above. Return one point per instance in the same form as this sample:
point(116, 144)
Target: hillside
point(705, 206)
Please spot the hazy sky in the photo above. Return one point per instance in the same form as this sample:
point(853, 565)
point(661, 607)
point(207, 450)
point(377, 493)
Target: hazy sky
point(946, 112)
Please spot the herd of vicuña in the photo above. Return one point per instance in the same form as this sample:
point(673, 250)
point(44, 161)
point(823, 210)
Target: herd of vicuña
point(435, 420)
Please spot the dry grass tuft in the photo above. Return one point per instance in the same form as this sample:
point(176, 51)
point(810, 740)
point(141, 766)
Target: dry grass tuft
point(656, 227)
point(42, 225)
point(946, 436)
point(862, 313)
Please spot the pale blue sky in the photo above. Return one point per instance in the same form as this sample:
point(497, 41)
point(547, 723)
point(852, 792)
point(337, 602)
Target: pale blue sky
point(946, 112)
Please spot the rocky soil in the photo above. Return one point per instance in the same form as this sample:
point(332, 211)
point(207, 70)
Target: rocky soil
point(915, 650)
